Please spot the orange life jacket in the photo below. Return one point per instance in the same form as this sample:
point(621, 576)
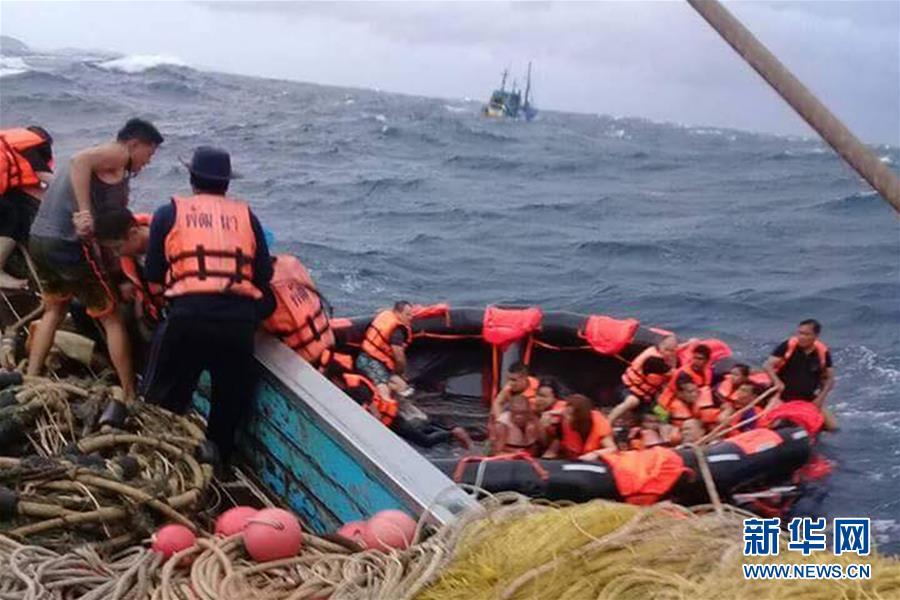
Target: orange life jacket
point(726, 388)
point(210, 248)
point(802, 413)
point(571, 444)
point(149, 295)
point(644, 386)
point(702, 380)
point(678, 412)
point(644, 476)
point(377, 340)
point(338, 359)
point(387, 408)
point(300, 319)
point(705, 408)
point(793, 343)
point(15, 170)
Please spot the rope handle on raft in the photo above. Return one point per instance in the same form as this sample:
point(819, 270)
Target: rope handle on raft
point(460, 469)
point(723, 428)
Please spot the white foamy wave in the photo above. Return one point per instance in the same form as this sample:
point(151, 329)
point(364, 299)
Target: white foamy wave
point(455, 109)
point(705, 131)
point(816, 151)
point(886, 159)
point(139, 63)
point(380, 118)
point(861, 358)
point(12, 66)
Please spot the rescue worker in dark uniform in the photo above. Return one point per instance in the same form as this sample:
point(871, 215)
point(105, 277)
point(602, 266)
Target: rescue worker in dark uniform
point(209, 252)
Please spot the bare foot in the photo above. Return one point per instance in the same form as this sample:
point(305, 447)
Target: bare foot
point(8, 282)
point(462, 437)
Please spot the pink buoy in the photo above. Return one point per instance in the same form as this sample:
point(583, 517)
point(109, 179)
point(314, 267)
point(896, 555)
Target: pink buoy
point(170, 539)
point(389, 529)
point(234, 520)
point(353, 531)
point(271, 534)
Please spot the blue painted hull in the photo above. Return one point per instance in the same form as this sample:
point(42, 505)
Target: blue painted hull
point(329, 461)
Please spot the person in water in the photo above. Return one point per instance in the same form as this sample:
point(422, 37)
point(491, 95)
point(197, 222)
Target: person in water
point(646, 376)
point(413, 426)
point(209, 252)
point(67, 260)
point(518, 381)
point(584, 432)
point(517, 429)
point(801, 367)
point(382, 357)
point(28, 163)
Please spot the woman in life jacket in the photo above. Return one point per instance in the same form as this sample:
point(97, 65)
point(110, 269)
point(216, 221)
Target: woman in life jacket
point(646, 376)
point(729, 385)
point(546, 396)
point(736, 410)
point(517, 429)
point(584, 431)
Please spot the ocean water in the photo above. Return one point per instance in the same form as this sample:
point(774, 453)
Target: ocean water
point(707, 231)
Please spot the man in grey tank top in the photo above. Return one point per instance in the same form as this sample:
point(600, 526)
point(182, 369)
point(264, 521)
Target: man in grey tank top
point(63, 244)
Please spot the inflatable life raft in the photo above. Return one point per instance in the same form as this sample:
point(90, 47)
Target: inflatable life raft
point(751, 461)
point(458, 356)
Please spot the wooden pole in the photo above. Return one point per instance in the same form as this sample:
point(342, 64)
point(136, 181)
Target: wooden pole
point(801, 100)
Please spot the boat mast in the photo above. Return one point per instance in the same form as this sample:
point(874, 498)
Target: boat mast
point(528, 83)
point(503, 81)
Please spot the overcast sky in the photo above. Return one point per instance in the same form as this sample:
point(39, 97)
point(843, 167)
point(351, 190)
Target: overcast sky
point(652, 59)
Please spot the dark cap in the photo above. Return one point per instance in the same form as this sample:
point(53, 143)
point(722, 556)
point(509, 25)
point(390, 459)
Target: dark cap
point(210, 163)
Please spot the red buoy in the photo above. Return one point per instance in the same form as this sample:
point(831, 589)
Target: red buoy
point(389, 529)
point(353, 531)
point(234, 520)
point(271, 534)
point(170, 539)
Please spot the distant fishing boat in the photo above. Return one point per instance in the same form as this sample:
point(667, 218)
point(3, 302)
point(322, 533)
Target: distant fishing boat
point(509, 104)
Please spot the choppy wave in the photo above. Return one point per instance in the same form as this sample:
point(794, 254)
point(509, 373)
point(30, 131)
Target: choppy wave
point(12, 66)
point(868, 199)
point(139, 63)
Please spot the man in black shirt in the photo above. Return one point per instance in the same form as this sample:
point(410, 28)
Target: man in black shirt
point(801, 367)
